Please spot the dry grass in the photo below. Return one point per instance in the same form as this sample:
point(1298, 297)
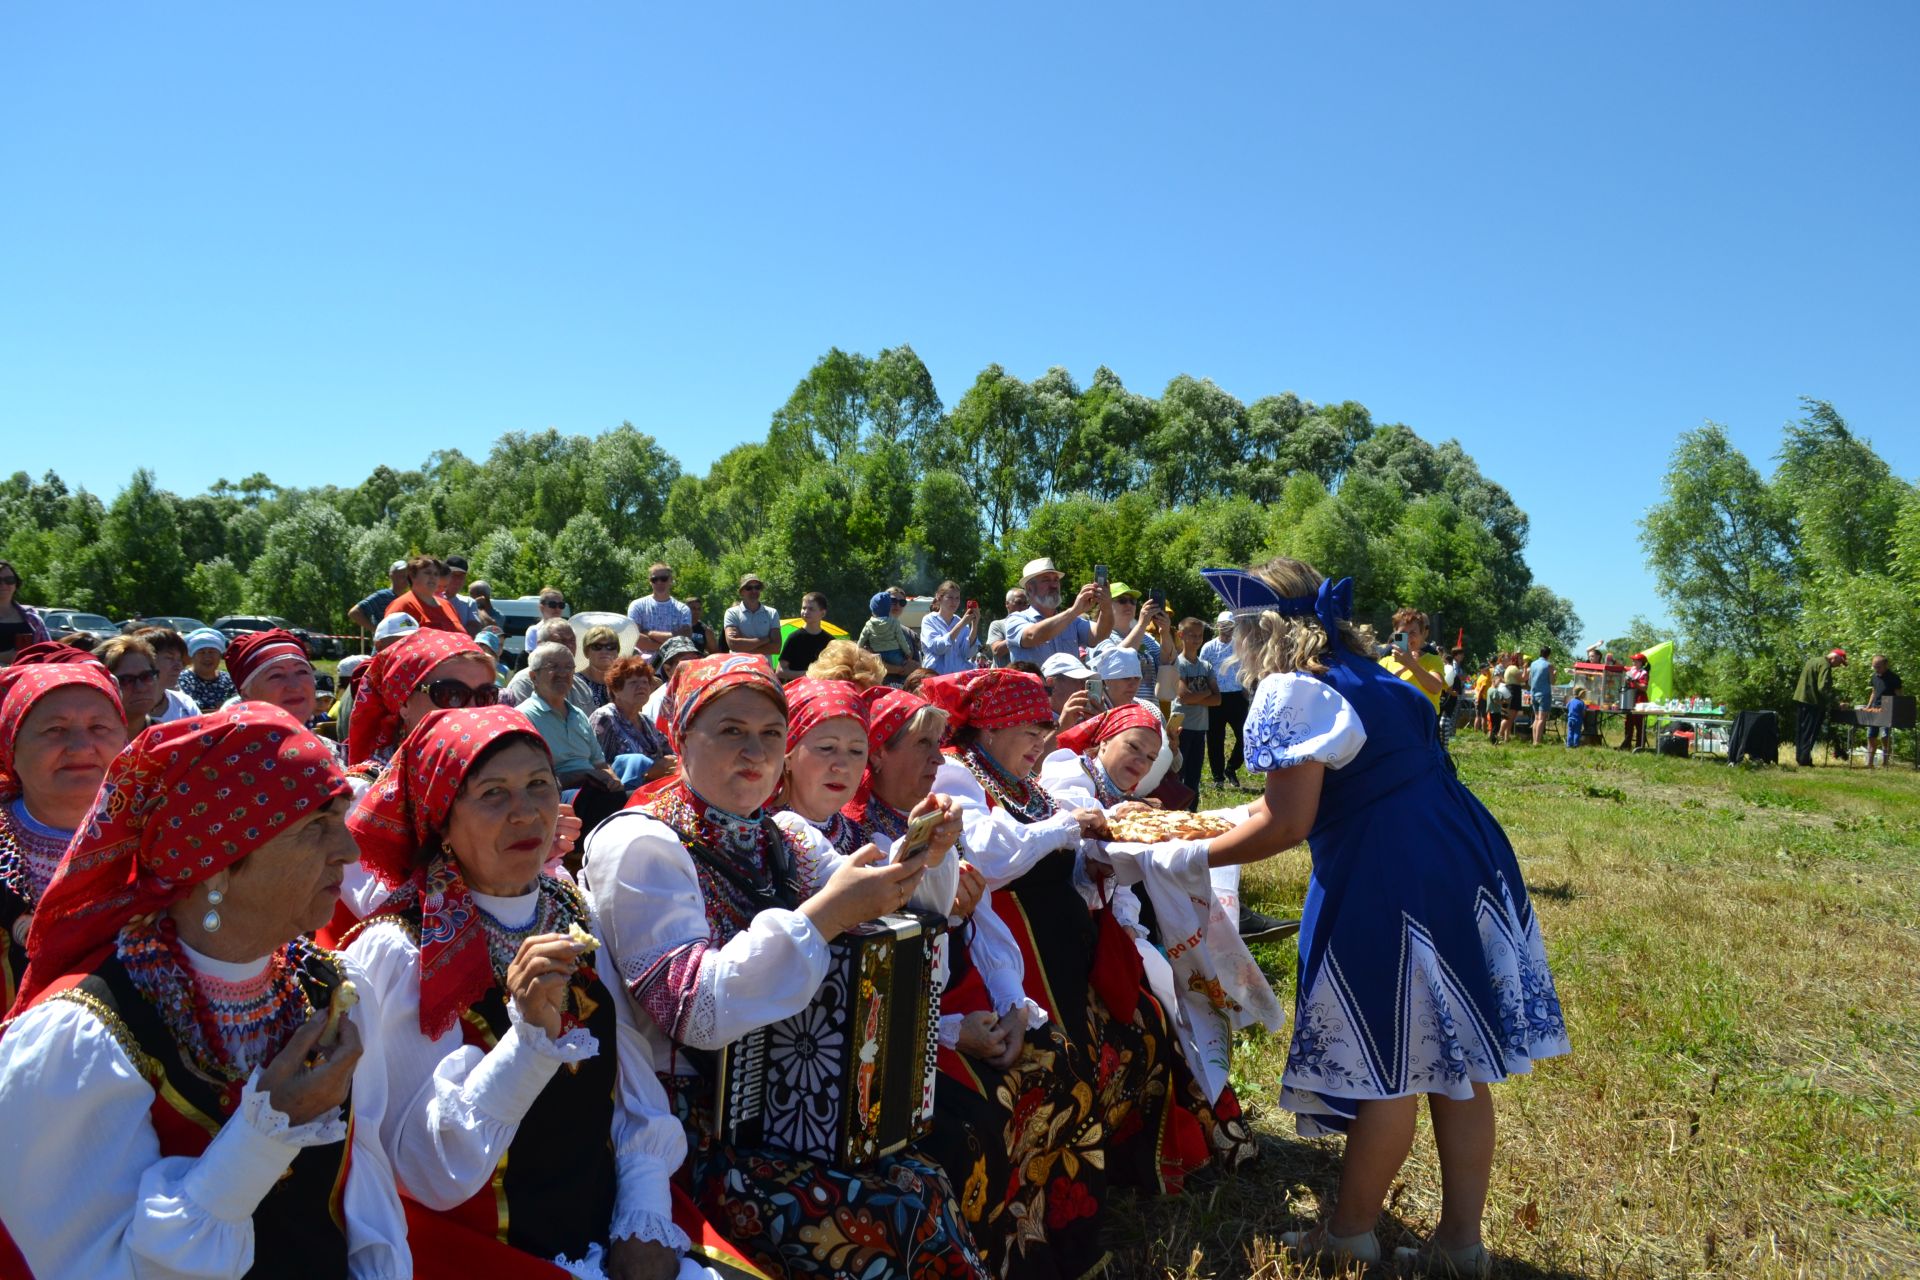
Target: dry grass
point(1738, 953)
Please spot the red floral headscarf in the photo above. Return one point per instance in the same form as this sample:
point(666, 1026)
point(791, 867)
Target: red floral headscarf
point(697, 682)
point(36, 672)
point(255, 651)
point(403, 815)
point(1109, 725)
point(390, 679)
point(993, 698)
point(811, 703)
point(184, 801)
point(888, 710)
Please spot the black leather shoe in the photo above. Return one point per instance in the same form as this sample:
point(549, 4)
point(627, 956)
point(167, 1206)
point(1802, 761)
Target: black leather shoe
point(1255, 927)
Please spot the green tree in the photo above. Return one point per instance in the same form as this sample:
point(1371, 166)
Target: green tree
point(141, 539)
point(304, 573)
point(629, 479)
point(589, 568)
point(216, 588)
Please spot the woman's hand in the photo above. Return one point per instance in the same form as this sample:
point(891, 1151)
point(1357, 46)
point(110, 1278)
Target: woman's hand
point(537, 979)
point(1074, 710)
point(973, 887)
point(305, 1081)
point(946, 834)
point(633, 1259)
point(566, 835)
point(981, 1036)
point(1093, 824)
point(1012, 1025)
point(864, 886)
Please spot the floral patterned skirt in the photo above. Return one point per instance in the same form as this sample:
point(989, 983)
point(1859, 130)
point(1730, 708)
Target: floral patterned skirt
point(792, 1216)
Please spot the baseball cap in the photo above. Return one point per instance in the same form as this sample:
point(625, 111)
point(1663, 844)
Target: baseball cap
point(398, 566)
point(456, 562)
point(1118, 589)
point(395, 624)
point(1117, 663)
point(1224, 620)
point(350, 664)
point(1840, 654)
point(1065, 664)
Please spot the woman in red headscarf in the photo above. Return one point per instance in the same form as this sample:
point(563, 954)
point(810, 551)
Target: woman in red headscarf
point(1079, 962)
point(717, 916)
point(1103, 762)
point(484, 993)
point(426, 671)
point(178, 1089)
point(60, 724)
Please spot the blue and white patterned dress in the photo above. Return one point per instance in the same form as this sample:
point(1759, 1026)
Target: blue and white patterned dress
point(1422, 968)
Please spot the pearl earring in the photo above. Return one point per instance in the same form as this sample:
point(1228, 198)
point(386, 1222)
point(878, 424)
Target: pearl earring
point(211, 921)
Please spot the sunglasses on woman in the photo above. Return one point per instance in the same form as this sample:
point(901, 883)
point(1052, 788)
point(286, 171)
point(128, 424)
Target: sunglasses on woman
point(603, 648)
point(452, 694)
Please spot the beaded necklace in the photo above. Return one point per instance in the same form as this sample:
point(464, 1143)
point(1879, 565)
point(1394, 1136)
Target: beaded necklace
point(1103, 788)
point(1019, 796)
point(29, 852)
point(552, 913)
point(742, 840)
point(882, 819)
point(228, 1030)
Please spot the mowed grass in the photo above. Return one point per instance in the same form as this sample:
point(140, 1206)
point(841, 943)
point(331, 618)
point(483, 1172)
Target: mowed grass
point(1738, 954)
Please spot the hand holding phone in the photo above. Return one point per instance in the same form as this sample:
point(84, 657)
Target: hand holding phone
point(918, 837)
point(1101, 578)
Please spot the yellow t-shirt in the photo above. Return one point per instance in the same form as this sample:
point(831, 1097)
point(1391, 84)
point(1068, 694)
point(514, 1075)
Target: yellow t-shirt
point(1431, 661)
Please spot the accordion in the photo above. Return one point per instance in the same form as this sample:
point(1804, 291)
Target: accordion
point(850, 1077)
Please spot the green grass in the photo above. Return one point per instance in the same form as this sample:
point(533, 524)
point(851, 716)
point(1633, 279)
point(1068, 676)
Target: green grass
point(1738, 954)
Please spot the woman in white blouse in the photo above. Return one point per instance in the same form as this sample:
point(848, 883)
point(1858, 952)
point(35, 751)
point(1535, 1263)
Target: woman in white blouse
point(718, 916)
point(179, 1094)
point(485, 991)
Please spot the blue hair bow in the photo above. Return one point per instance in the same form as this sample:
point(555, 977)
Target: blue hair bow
point(1248, 596)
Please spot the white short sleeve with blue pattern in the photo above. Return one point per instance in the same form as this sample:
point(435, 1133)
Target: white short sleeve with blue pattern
point(1296, 718)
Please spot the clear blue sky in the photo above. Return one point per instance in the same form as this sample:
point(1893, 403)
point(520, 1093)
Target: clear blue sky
point(309, 239)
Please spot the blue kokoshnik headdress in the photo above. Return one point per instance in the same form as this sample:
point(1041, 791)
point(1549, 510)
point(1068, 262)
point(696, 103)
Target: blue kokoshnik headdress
point(1248, 597)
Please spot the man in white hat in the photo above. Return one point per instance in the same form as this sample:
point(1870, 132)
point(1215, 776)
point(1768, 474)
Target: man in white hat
point(1043, 628)
point(1232, 709)
point(392, 629)
point(1120, 678)
point(752, 627)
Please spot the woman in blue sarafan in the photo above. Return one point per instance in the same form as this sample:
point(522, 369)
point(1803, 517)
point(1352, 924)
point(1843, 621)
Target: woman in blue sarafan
point(1422, 969)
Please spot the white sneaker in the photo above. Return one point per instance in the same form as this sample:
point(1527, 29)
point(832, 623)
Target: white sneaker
point(1364, 1247)
point(1430, 1259)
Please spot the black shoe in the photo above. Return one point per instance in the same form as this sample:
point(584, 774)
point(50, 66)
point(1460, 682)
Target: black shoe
point(1233, 780)
point(1255, 927)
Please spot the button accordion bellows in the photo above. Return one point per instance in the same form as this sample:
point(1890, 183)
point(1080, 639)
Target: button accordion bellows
point(849, 1078)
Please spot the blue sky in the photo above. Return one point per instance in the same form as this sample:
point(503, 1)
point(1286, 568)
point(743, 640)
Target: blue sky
point(307, 240)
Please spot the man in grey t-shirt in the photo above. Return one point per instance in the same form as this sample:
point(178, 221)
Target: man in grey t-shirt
point(752, 627)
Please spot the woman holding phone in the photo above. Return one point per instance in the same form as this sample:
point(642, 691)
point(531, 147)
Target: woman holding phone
point(717, 914)
point(948, 636)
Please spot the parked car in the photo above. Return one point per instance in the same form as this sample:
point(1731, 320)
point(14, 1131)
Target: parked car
point(235, 625)
point(65, 622)
point(173, 622)
point(514, 617)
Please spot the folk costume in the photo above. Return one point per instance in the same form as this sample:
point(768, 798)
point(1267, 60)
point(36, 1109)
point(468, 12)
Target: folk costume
point(492, 1142)
point(699, 911)
point(129, 1046)
point(1092, 1101)
point(1206, 982)
point(1422, 968)
point(29, 848)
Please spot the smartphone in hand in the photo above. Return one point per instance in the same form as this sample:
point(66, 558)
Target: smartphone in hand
point(1158, 596)
point(1101, 577)
point(918, 837)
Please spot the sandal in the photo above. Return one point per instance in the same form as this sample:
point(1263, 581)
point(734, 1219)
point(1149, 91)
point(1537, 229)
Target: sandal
point(1364, 1247)
point(1473, 1261)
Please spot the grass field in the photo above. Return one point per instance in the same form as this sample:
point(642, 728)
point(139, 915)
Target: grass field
point(1738, 954)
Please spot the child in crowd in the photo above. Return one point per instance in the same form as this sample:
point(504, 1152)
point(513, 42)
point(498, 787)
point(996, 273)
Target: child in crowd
point(1576, 715)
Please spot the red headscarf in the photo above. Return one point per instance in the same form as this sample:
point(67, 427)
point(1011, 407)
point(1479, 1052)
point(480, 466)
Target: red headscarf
point(402, 816)
point(36, 672)
point(811, 703)
point(888, 710)
point(1109, 725)
point(254, 651)
point(184, 801)
point(698, 681)
point(992, 698)
point(390, 679)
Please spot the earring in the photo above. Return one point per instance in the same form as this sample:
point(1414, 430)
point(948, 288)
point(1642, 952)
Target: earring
point(211, 921)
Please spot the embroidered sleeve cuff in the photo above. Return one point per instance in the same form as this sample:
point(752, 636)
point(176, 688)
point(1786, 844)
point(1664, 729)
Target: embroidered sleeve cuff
point(250, 1153)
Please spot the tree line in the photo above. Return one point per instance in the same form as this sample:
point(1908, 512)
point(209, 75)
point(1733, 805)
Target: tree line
point(864, 478)
point(1760, 572)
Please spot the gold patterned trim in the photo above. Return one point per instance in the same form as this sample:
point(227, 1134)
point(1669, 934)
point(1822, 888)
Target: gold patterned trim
point(410, 927)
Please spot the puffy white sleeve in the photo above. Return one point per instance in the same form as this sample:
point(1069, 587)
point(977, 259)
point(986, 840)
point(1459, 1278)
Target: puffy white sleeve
point(454, 1108)
point(1000, 846)
point(938, 887)
point(1296, 718)
point(1064, 776)
point(1002, 968)
point(648, 1142)
point(67, 1086)
point(652, 913)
